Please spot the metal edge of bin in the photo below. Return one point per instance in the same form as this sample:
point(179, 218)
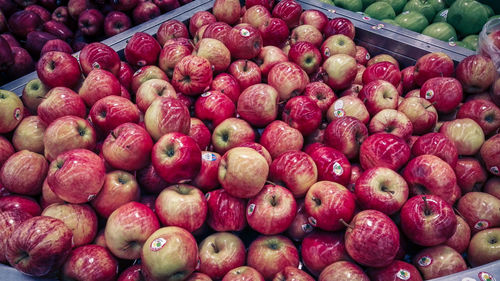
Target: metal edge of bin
point(119, 41)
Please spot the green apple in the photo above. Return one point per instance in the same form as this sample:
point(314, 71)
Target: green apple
point(442, 31)
point(449, 2)
point(367, 3)
point(441, 16)
point(422, 6)
point(464, 45)
point(397, 5)
point(438, 5)
point(393, 22)
point(468, 17)
point(411, 20)
point(380, 11)
point(351, 5)
point(471, 40)
point(328, 2)
point(489, 10)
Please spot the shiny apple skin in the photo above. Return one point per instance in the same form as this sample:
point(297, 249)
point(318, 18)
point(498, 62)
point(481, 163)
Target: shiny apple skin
point(315, 18)
point(346, 135)
point(332, 165)
point(10, 221)
point(480, 210)
point(227, 84)
point(176, 157)
point(343, 270)
point(288, 79)
point(171, 29)
point(341, 71)
point(243, 273)
point(378, 95)
point(484, 247)
point(320, 249)
point(340, 25)
point(24, 172)
point(471, 175)
point(206, 179)
point(127, 228)
point(98, 55)
point(327, 203)
point(231, 133)
point(445, 93)
point(465, 133)
point(39, 246)
point(258, 104)
point(199, 19)
point(278, 137)
point(436, 144)
point(476, 73)
point(396, 271)
point(244, 41)
point(433, 65)
point(272, 210)
point(269, 254)
point(225, 212)
point(382, 71)
point(321, 93)
point(142, 49)
point(384, 150)
point(381, 189)
point(199, 72)
point(489, 152)
point(166, 115)
point(200, 133)
point(90, 262)
point(214, 107)
point(303, 114)
point(112, 111)
point(77, 175)
point(372, 239)
point(64, 65)
point(391, 121)
point(443, 261)
point(99, 84)
point(296, 170)
point(484, 112)
point(20, 203)
point(348, 106)
point(421, 113)
point(289, 11)
point(219, 253)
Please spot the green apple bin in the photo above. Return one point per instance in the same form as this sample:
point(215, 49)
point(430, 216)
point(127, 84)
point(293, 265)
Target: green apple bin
point(376, 36)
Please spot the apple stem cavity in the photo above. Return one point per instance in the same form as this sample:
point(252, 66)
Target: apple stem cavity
point(23, 256)
point(386, 189)
point(346, 224)
point(427, 209)
point(216, 250)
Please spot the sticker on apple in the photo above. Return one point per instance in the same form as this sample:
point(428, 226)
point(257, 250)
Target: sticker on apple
point(494, 170)
point(485, 276)
point(367, 57)
point(425, 261)
point(206, 94)
point(332, 11)
point(244, 32)
point(91, 197)
point(337, 169)
point(306, 228)
point(480, 225)
point(327, 52)
point(312, 221)
point(17, 113)
point(96, 65)
point(207, 196)
point(429, 94)
point(157, 244)
point(209, 157)
point(403, 274)
point(251, 209)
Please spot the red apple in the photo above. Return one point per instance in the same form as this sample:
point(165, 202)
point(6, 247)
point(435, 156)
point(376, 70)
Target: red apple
point(340, 71)
point(438, 261)
point(150, 90)
point(328, 203)
point(243, 273)
point(348, 106)
point(227, 84)
point(150, 181)
point(321, 93)
point(306, 33)
point(476, 73)
point(6, 150)
point(225, 212)
point(384, 150)
point(292, 273)
point(343, 270)
point(244, 41)
point(142, 49)
point(320, 249)
point(303, 114)
point(176, 157)
point(192, 75)
point(382, 71)
point(471, 175)
point(215, 52)
point(59, 102)
point(436, 144)
point(465, 133)
point(480, 210)
point(56, 45)
point(145, 11)
point(146, 73)
point(346, 135)
point(20, 203)
point(9, 221)
point(420, 112)
point(391, 121)
point(338, 44)
point(219, 253)
point(278, 137)
point(76, 176)
point(270, 254)
point(445, 93)
point(489, 153)
point(54, 65)
point(116, 22)
point(315, 18)
point(98, 55)
point(23, 22)
point(217, 30)
point(66, 133)
point(166, 115)
point(6, 56)
point(362, 56)
point(90, 261)
point(200, 133)
point(274, 32)
point(231, 133)
point(289, 11)
point(256, 16)
point(227, 11)
point(193, 213)
point(99, 84)
point(258, 104)
point(378, 95)
point(24, 172)
point(339, 25)
point(288, 79)
point(272, 210)
point(435, 64)
point(484, 112)
point(200, 19)
point(111, 111)
point(459, 241)
point(39, 246)
point(332, 165)
point(492, 187)
point(80, 219)
point(59, 29)
point(169, 253)
point(296, 170)
point(171, 29)
point(246, 72)
point(372, 239)
point(132, 273)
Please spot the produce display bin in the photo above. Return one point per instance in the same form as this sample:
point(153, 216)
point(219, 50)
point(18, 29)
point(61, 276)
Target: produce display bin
point(376, 36)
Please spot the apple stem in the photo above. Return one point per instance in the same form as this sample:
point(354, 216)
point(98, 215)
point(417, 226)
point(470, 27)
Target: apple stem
point(215, 247)
point(346, 224)
point(432, 104)
point(113, 134)
point(458, 212)
point(427, 210)
point(245, 67)
point(270, 182)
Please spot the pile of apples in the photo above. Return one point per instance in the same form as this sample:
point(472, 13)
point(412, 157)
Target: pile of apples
point(256, 143)
point(30, 28)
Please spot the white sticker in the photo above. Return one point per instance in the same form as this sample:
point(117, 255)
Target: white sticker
point(157, 244)
point(480, 225)
point(337, 169)
point(425, 261)
point(429, 94)
point(403, 274)
point(306, 227)
point(327, 52)
point(444, 13)
point(494, 170)
point(251, 209)
point(91, 197)
point(209, 157)
point(207, 196)
point(244, 32)
point(206, 94)
point(96, 65)
point(367, 18)
point(312, 221)
point(485, 276)
point(17, 113)
point(367, 56)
